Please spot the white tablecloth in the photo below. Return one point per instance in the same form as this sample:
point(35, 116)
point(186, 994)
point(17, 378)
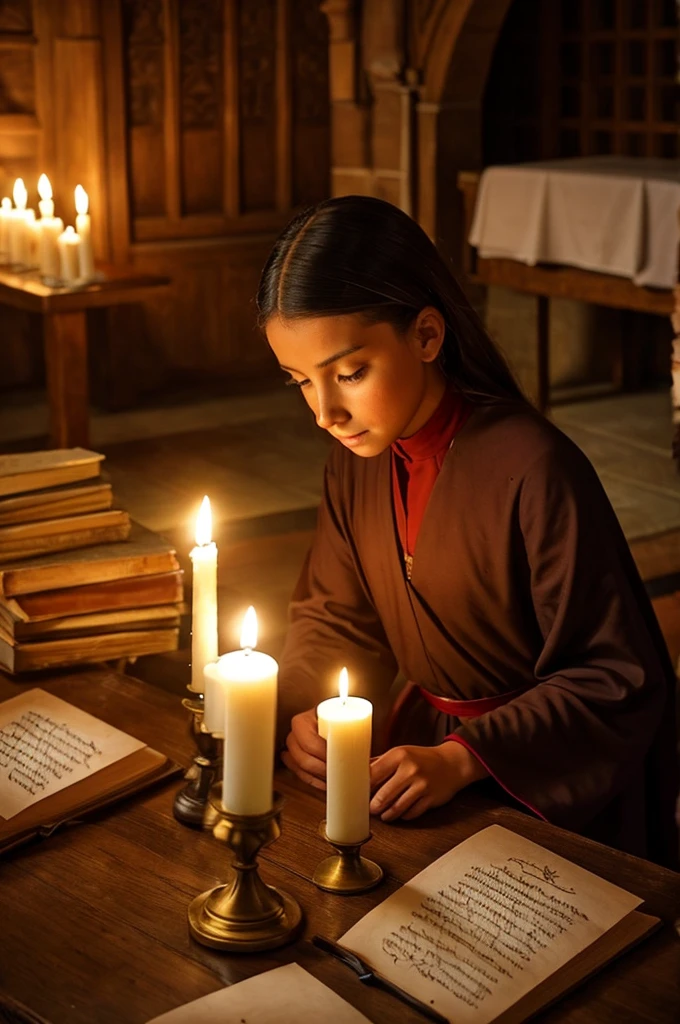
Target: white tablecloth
point(614, 215)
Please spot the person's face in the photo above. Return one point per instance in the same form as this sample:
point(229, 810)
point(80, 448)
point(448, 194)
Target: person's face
point(365, 384)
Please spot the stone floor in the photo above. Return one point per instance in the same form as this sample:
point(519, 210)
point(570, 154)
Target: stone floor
point(260, 458)
point(628, 440)
point(261, 455)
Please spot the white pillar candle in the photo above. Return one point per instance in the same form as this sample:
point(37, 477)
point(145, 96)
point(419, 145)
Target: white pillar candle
point(32, 239)
point(19, 240)
point(345, 723)
point(48, 250)
point(84, 229)
point(49, 229)
point(248, 679)
point(5, 212)
point(204, 599)
point(68, 244)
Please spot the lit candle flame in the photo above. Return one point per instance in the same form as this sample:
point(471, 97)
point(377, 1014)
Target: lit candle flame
point(44, 187)
point(6, 203)
point(249, 630)
point(20, 194)
point(204, 523)
point(343, 685)
point(82, 200)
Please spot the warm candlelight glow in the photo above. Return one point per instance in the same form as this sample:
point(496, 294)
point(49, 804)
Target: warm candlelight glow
point(20, 194)
point(44, 187)
point(343, 685)
point(204, 523)
point(82, 200)
point(6, 203)
point(249, 630)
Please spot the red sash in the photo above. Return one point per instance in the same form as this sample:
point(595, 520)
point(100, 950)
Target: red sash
point(468, 708)
point(411, 694)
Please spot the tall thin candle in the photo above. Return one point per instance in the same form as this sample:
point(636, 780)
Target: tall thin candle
point(84, 229)
point(204, 598)
point(50, 228)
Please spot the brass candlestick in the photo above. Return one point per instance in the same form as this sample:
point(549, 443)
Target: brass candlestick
point(246, 914)
point(192, 806)
point(347, 872)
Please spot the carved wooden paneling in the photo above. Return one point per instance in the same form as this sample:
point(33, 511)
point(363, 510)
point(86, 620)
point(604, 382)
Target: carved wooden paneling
point(311, 127)
point(257, 24)
point(16, 16)
point(17, 81)
point(201, 38)
point(225, 129)
point(227, 113)
point(143, 41)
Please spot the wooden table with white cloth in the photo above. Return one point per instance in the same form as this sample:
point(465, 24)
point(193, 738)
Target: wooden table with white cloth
point(611, 214)
point(601, 229)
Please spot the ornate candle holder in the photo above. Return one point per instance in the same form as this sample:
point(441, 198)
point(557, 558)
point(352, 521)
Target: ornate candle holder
point(192, 804)
point(246, 914)
point(347, 872)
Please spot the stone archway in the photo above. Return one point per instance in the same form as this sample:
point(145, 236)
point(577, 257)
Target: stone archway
point(407, 83)
point(457, 42)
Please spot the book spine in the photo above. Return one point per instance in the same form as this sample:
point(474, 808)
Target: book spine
point(113, 595)
point(18, 580)
point(56, 509)
point(68, 542)
point(58, 653)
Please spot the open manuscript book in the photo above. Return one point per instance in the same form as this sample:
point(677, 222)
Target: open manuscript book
point(57, 762)
point(497, 929)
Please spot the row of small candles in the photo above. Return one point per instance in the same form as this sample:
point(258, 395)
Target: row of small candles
point(63, 256)
point(240, 691)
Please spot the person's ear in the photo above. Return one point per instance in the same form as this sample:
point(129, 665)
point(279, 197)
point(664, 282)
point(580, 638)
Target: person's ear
point(429, 330)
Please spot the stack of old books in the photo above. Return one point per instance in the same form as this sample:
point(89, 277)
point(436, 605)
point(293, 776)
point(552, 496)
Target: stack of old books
point(78, 581)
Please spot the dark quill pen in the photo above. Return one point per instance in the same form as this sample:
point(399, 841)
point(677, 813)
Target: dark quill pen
point(369, 977)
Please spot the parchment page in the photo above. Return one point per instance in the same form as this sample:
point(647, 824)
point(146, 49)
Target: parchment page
point(46, 744)
point(286, 995)
point(485, 923)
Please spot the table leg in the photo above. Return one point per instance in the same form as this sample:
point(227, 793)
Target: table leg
point(543, 353)
point(67, 380)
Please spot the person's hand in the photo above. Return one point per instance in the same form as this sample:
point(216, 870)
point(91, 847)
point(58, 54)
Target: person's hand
point(305, 752)
point(411, 780)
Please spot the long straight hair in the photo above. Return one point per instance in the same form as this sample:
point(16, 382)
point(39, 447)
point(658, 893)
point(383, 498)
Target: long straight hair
point(357, 254)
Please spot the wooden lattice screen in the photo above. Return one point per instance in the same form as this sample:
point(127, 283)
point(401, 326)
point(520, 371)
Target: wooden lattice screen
point(582, 77)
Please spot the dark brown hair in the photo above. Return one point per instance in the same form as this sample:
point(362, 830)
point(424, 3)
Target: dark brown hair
point(357, 254)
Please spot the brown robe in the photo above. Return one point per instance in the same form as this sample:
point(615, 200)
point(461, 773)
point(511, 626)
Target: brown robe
point(521, 577)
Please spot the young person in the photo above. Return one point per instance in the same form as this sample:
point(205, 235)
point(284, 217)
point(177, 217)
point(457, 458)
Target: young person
point(464, 542)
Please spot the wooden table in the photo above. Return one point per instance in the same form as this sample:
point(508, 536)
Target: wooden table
point(64, 312)
point(94, 919)
point(554, 282)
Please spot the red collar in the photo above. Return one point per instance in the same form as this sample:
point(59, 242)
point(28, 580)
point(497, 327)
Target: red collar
point(437, 434)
